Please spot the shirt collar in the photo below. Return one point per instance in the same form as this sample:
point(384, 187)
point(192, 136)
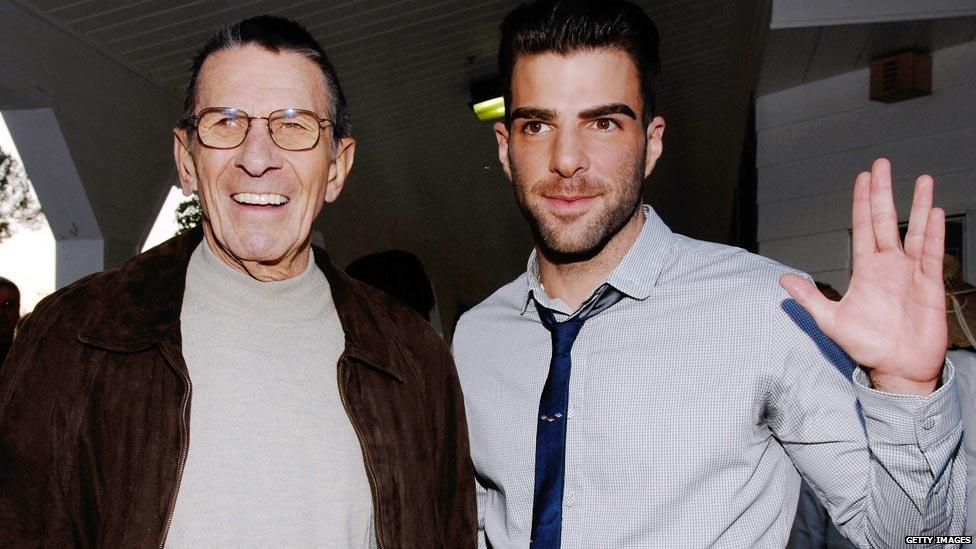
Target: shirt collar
point(636, 274)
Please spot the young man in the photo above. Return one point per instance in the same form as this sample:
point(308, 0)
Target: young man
point(638, 388)
point(231, 387)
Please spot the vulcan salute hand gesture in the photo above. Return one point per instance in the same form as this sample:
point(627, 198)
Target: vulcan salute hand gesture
point(892, 319)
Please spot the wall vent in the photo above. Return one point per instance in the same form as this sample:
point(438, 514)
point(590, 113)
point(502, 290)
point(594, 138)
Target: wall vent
point(901, 76)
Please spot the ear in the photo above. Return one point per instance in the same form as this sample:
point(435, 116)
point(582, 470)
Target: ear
point(501, 135)
point(339, 170)
point(184, 161)
point(655, 144)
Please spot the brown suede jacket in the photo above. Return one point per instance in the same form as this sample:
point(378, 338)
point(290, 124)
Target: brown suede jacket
point(95, 405)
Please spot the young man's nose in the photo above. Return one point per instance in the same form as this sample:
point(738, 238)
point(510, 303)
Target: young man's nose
point(568, 155)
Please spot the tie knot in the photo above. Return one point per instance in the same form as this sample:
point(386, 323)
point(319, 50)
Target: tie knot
point(564, 335)
point(602, 299)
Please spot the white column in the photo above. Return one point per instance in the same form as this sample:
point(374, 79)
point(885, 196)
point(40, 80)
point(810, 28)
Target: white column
point(48, 162)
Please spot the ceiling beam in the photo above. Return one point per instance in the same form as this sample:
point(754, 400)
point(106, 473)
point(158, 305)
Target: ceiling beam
point(803, 13)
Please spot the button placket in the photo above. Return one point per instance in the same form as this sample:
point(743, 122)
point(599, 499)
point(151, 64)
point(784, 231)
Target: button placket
point(570, 499)
point(575, 449)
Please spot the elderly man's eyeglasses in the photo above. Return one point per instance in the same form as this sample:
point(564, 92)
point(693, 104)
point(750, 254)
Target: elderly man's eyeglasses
point(226, 128)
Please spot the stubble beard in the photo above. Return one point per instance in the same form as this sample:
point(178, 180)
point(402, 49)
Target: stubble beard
point(597, 232)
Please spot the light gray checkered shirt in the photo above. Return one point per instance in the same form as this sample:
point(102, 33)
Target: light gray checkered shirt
point(693, 403)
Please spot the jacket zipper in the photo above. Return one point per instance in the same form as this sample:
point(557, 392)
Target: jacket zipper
point(362, 445)
point(185, 446)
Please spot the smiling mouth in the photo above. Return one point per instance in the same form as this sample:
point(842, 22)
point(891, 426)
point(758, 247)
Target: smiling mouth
point(264, 199)
point(569, 199)
point(569, 205)
point(572, 202)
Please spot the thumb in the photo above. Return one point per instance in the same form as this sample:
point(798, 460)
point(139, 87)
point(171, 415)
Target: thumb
point(809, 297)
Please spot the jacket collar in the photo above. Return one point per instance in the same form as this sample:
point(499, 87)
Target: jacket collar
point(140, 304)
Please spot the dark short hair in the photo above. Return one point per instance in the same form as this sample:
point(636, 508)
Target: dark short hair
point(399, 274)
point(568, 26)
point(275, 34)
point(7, 283)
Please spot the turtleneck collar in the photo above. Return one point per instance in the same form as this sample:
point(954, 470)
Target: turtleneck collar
point(233, 292)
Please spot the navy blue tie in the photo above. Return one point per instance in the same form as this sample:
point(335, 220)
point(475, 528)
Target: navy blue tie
point(550, 436)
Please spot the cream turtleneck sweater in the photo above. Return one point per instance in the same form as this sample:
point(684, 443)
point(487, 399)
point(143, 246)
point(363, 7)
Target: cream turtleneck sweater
point(273, 459)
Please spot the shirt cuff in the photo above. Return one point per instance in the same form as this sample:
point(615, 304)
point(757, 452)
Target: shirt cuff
point(911, 419)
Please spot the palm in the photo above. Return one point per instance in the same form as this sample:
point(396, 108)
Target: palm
point(892, 319)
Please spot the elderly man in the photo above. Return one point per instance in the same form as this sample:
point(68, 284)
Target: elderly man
point(638, 388)
point(239, 390)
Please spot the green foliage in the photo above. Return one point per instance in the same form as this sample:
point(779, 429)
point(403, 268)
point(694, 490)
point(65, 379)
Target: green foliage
point(18, 205)
point(188, 214)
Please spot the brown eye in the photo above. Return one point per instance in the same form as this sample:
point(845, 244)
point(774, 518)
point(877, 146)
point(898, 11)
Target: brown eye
point(606, 124)
point(536, 127)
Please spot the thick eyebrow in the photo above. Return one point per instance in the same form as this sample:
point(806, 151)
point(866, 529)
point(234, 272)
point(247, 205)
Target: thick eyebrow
point(604, 110)
point(533, 113)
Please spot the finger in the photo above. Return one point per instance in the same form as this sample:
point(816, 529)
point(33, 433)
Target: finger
point(862, 242)
point(883, 216)
point(934, 246)
point(809, 297)
point(917, 221)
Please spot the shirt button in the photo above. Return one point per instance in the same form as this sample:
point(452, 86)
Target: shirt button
point(929, 423)
point(570, 499)
point(571, 412)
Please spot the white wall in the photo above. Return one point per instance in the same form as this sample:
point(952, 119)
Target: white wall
point(48, 163)
point(815, 138)
point(115, 123)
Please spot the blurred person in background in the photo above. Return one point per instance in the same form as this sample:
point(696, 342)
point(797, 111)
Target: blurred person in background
point(399, 274)
point(828, 291)
point(961, 318)
point(9, 315)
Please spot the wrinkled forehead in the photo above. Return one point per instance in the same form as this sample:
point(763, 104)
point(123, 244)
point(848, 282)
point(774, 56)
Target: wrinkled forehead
point(260, 81)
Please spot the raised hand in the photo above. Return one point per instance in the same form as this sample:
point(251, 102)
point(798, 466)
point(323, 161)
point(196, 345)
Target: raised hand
point(892, 319)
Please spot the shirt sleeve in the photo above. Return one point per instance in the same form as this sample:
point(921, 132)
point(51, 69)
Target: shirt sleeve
point(885, 466)
point(482, 495)
point(964, 363)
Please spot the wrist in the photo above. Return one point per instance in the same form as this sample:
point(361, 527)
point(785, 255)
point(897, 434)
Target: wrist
point(899, 385)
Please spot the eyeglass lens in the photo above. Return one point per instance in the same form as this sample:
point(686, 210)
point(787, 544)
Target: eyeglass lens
point(291, 129)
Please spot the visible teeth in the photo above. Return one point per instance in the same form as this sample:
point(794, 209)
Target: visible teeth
point(260, 199)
